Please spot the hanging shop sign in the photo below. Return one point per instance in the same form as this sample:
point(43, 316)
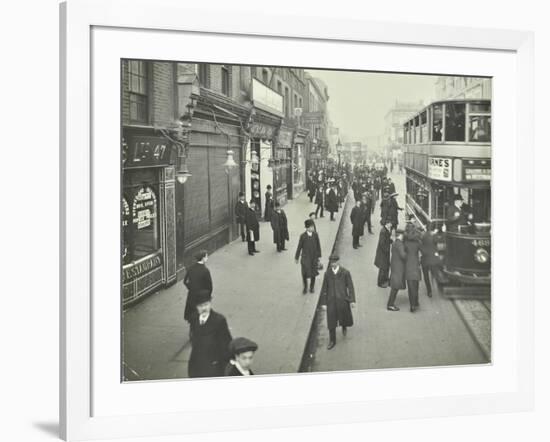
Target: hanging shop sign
point(146, 151)
point(440, 168)
point(263, 131)
point(284, 139)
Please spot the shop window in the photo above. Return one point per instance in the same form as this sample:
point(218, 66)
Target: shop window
point(455, 118)
point(137, 88)
point(416, 130)
point(145, 231)
point(437, 118)
point(126, 235)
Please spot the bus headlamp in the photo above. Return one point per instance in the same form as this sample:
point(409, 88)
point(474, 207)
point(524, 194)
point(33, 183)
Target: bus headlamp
point(481, 256)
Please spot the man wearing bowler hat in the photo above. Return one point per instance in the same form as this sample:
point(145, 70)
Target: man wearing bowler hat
point(338, 297)
point(456, 215)
point(210, 338)
point(309, 248)
point(242, 352)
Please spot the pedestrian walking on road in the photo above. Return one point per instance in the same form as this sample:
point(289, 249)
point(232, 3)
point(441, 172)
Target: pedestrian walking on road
point(397, 266)
point(252, 228)
point(430, 256)
point(319, 201)
point(279, 224)
point(338, 297)
point(240, 214)
point(196, 279)
point(210, 338)
point(412, 241)
point(358, 223)
point(393, 210)
point(382, 258)
point(309, 248)
point(268, 203)
point(242, 351)
point(332, 200)
point(312, 217)
point(366, 210)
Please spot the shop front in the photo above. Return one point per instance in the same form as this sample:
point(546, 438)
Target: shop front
point(148, 216)
point(298, 162)
point(282, 173)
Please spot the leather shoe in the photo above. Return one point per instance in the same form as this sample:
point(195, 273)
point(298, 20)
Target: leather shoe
point(311, 290)
point(251, 254)
point(331, 345)
point(344, 331)
point(256, 251)
point(393, 308)
point(429, 294)
point(304, 291)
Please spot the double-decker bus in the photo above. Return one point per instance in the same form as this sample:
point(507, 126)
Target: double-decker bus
point(447, 156)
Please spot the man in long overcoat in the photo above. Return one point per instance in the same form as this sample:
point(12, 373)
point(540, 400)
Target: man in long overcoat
point(430, 256)
point(366, 209)
point(210, 338)
point(309, 247)
point(397, 266)
point(412, 264)
point(332, 201)
point(196, 279)
point(357, 222)
point(240, 215)
point(338, 295)
point(393, 210)
point(252, 228)
point(320, 200)
point(382, 258)
point(279, 224)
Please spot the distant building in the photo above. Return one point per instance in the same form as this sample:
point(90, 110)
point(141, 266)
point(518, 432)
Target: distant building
point(393, 125)
point(447, 87)
point(316, 120)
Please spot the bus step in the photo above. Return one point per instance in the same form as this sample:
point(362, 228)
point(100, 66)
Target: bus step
point(466, 292)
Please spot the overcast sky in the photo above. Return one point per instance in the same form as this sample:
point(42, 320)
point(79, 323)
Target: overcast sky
point(360, 100)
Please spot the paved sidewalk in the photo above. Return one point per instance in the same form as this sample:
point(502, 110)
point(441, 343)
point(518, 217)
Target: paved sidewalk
point(261, 297)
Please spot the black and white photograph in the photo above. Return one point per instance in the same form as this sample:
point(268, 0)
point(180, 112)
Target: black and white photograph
point(283, 220)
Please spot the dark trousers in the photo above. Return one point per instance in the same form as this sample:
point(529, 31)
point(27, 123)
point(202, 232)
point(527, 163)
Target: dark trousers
point(280, 245)
point(428, 272)
point(242, 230)
point(412, 286)
point(319, 206)
point(332, 216)
point(383, 276)
point(332, 333)
point(311, 282)
point(251, 246)
point(355, 241)
point(393, 295)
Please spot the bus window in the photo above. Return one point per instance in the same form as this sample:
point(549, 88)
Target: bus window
point(424, 127)
point(480, 128)
point(455, 116)
point(480, 201)
point(442, 198)
point(416, 130)
point(437, 129)
point(479, 124)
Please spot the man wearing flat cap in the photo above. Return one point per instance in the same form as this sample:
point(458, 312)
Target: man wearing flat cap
point(242, 352)
point(338, 297)
point(210, 338)
point(309, 248)
point(393, 210)
point(456, 215)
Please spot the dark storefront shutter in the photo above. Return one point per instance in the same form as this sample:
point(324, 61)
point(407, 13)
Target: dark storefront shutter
point(218, 188)
point(196, 216)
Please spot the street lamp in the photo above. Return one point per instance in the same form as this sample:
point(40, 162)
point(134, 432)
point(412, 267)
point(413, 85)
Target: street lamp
point(230, 163)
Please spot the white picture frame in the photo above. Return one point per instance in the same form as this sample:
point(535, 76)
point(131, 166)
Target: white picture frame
point(81, 378)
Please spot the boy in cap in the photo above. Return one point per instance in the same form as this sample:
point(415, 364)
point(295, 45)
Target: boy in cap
point(252, 228)
point(312, 217)
point(309, 247)
point(210, 339)
point(240, 215)
point(279, 224)
point(338, 298)
point(242, 352)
